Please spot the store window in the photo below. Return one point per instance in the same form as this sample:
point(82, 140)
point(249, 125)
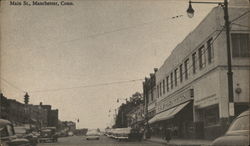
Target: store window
point(240, 45)
point(211, 115)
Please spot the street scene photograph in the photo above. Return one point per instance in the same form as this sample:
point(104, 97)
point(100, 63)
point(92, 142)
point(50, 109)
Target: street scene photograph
point(124, 72)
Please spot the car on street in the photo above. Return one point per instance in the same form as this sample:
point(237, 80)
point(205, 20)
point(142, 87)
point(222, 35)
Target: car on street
point(8, 136)
point(22, 132)
point(48, 134)
point(237, 134)
point(92, 134)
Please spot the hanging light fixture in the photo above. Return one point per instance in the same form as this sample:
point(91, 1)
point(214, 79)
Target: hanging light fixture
point(190, 10)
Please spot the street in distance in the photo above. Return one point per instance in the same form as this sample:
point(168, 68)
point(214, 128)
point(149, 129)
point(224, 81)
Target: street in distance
point(41, 3)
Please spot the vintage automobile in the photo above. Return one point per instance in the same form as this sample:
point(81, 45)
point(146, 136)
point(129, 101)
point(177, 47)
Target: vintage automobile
point(22, 132)
point(92, 134)
point(237, 134)
point(48, 134)
point(8, 136)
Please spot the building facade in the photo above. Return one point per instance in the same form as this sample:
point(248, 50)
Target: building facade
point(192, 88)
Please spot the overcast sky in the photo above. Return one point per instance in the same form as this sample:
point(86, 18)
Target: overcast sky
point(45, 50)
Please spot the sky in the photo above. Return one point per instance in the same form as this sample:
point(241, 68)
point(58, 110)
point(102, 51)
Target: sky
point(65, 55)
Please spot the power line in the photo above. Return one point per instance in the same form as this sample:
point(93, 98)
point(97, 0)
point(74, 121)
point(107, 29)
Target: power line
point(241, 25)
point(87, 86)
point(12, 85)
point(240, 16)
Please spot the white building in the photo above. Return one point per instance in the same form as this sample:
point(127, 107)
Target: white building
point(192, 85)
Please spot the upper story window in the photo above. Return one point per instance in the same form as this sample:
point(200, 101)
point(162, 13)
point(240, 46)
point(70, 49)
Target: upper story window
point(181, 73)
point(152, 95)
point(240, 45)
point(194, 62)
point(163, 86)
point(175, 76)
point(202, 60)
point(160, 89)
point(186, 68)
point(167, 83)
point(210, 50)
point(171, 80)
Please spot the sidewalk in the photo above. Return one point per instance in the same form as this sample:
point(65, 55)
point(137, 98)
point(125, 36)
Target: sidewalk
point(181, 142)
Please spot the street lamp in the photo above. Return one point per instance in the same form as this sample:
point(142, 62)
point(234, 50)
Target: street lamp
point(224, 5)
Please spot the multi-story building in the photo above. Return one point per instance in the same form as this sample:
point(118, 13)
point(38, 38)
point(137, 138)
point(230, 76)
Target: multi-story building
point(149, 93)
point(192, 85)
point(52, 115)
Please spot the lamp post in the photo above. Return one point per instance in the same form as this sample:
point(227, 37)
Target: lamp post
point(224, 5)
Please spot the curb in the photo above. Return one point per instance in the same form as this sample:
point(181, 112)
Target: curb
point(172, 144)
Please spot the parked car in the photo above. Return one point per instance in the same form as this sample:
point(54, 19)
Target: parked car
point(237, 134)
point(70, 133)
point(93, 134)
point(22, 132)
point(8, 136)
point(48, 134)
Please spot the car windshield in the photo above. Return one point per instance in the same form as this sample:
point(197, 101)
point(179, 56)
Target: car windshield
point(6, 131)
point(20, 130)
point(240, 124)
point(92, 132)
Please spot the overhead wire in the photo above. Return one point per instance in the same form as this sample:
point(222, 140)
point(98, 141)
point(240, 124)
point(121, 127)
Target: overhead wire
point(12, 85)
point(86, 86)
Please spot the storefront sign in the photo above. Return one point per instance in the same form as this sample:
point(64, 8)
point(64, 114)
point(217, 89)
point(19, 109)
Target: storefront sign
point(174, 100)
point(231, 109)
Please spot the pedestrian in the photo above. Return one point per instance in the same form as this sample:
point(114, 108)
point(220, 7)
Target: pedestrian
point(167, 134)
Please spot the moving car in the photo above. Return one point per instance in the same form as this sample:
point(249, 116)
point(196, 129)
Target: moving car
point(22, 132)
point(93, 134)
point(48, 134)
point(238, 132)
point(8, 137)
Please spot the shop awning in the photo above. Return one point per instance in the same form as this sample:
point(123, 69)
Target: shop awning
point(168, 114)
point(152, 120)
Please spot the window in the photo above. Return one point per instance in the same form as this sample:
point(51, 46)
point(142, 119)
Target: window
point(160, 89)
point(186, 68)
point(181, 73)
point(194, 62)
point(210, 51)
point(152, 95)
point(167, 83)
point(171, 80)
point(163, 86)
point(211, 115)
point(240, 45)
point(175, 77)
point(201, 53)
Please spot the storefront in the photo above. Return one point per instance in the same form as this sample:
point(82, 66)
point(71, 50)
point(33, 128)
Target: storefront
point(175, 114)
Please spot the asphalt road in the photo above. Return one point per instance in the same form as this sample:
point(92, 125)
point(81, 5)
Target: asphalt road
point(103, 141)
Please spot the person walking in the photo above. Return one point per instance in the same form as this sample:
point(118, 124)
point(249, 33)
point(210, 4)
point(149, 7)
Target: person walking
point(167, 134)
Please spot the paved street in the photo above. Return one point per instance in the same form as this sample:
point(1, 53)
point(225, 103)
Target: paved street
point(80, 140)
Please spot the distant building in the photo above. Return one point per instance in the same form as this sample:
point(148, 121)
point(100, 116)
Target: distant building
point(17, 113)
point(52, 115)
point(192, 87)
point(4, 107)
